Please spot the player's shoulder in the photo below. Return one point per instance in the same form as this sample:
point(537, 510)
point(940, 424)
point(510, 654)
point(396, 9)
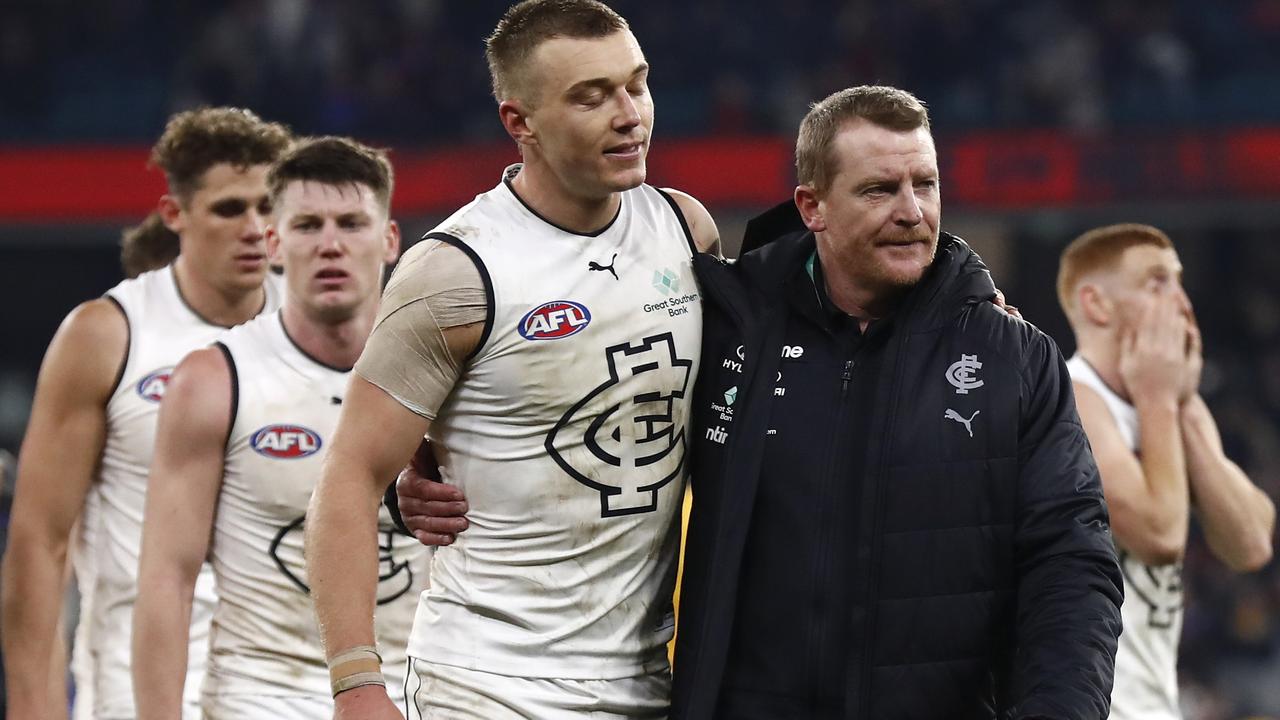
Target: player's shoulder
point(433, 266)
point(88, 352)
point(96, 326)
point(201, 383)
point(706, 236)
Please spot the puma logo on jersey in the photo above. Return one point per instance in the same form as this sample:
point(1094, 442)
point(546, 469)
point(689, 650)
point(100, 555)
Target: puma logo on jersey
point(286, 442)
point(593, 266)
point(627, 444)
point(554, 320)
point(151, 388)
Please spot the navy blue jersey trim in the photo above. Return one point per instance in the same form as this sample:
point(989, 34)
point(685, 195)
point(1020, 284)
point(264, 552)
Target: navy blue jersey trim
point(540, 216)
point(306, 354)
point(128, 342)
point(684, 224)
point(490, 303)
point(235, 390)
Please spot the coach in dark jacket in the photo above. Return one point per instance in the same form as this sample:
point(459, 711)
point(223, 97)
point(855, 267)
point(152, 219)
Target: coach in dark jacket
point(896, 514)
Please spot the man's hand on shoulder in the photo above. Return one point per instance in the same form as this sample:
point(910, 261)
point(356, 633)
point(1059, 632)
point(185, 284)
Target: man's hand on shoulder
point(701, 225)
point(1003, 304)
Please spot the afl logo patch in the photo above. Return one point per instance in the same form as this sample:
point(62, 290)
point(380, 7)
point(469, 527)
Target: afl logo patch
point(554, 320)
point(151, 388)
point(287, 442)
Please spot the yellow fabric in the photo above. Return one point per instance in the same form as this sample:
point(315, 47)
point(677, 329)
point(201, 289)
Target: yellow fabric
point(684, 532)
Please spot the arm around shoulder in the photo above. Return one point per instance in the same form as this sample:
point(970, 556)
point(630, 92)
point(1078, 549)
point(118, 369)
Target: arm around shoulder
point(58, 459)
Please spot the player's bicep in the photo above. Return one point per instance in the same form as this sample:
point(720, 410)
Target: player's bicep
point(1123, 482)
point(375, 438)
point(190, 451)
point(67, 427)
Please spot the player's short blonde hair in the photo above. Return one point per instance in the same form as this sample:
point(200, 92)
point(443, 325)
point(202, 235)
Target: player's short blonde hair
point(528, 24)
point(1099, 249)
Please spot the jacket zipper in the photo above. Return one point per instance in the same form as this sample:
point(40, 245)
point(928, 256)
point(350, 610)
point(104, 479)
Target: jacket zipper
point(824, 652)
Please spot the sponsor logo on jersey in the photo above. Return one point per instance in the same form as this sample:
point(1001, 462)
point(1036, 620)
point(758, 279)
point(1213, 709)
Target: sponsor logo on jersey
point(626, 438)
point(717, 435)
point(666, 282)
point(554, 320)
point(151, 388)
point(286, 442)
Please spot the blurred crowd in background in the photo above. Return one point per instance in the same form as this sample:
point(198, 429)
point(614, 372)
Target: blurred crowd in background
point(412, 69)
point(410, 73)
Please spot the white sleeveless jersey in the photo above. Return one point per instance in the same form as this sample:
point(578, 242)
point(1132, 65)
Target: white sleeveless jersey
point(162, 330)
point(264, 640)
point(1146, 682)
point(568, 432)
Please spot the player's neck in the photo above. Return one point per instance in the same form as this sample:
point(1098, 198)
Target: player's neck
point(333, 342)
point(214, 305)
point(1104, 358)
point(543, 193)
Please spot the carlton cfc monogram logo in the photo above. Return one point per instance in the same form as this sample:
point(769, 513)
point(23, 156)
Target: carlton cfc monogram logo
point(623, 439)
point(554, 320)
point(286, 442)
point(963, 374)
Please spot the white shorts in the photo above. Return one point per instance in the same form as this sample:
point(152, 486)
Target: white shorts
point(445, 692)
point(266, 707)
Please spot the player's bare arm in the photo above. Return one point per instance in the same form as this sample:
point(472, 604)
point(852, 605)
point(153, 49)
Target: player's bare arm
point(375, 437)
point(59, 455)
point(1149, 498)
point(1238, 518)
point(706, 237)
point(182, 497)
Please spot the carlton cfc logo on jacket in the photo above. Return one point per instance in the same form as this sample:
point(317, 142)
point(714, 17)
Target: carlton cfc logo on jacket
point(623, 439)
point(554, 320)
point(286, 442)
point(151, 388)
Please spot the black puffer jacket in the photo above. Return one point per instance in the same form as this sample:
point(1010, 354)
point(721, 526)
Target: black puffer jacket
point(986, 579)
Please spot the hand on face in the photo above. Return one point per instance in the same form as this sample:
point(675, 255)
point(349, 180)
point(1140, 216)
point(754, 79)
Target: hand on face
point(1158, 359)
point(1195, 362)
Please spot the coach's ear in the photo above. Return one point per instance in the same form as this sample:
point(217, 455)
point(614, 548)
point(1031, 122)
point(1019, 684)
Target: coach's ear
point(170, 211)
point(807, 202)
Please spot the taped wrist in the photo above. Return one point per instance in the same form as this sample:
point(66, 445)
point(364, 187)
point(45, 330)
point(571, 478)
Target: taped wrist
point(355, 667)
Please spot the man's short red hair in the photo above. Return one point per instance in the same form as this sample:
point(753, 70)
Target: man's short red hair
point(1099, 249)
